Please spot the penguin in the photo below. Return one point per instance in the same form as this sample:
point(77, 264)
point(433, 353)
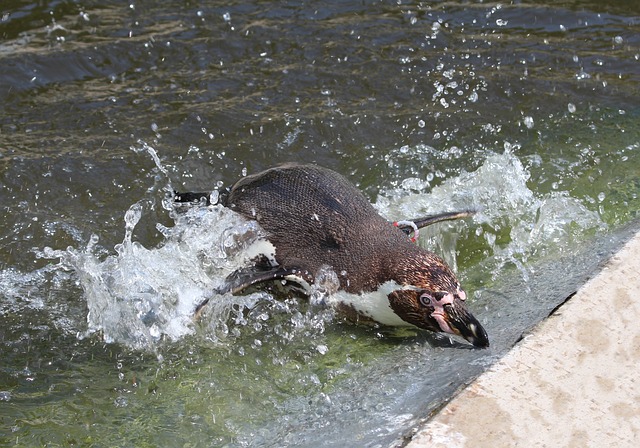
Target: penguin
point(315, 219)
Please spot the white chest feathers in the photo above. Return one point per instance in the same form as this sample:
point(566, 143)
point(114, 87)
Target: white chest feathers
point(374, 305)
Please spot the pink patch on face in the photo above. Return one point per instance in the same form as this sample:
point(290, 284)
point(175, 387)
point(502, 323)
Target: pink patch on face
point(439, 312)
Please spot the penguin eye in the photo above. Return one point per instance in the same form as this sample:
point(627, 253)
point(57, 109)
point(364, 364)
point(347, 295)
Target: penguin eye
point(425, 299)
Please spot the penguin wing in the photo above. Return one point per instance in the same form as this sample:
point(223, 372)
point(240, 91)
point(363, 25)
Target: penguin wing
point(241, 279)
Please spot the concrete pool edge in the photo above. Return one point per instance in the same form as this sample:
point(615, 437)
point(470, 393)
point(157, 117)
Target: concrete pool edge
point(571, 381)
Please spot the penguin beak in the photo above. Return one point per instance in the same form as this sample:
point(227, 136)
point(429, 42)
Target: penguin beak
point(454, 318)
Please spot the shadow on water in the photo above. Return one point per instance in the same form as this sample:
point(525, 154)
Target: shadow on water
point(526, 111)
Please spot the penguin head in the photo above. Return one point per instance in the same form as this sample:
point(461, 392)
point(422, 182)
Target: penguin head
point(432, 299)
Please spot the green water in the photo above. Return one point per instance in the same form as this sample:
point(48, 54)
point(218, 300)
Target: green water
point(526, 110)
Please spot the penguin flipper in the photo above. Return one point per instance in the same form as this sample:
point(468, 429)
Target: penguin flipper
point(241, 279)
point(432, 219)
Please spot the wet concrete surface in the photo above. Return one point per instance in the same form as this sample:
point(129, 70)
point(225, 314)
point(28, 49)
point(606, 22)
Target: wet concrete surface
point(572, 382)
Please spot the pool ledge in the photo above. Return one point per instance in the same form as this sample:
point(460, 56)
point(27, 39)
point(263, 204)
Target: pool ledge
point(573, 381)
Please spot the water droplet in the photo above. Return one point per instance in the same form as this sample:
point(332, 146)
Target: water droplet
point(421, 124)
point(226, 17)
point(155, 331)
point(601, 196)
point(571, 107)
point(528, 122)
point(618, 39)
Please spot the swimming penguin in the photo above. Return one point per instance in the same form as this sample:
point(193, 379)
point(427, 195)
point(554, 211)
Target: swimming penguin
point(315, 218)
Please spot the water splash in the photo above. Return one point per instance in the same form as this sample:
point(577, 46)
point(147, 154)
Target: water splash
point(514, 222)
point(140, 296)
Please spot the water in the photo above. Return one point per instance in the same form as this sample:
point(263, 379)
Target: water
point(527, 111)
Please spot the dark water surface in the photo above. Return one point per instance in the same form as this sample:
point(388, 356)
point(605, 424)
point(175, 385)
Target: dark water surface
point(527, 110)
